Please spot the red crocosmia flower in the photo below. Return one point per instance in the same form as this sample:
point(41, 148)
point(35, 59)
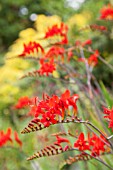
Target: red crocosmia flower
point(17, 139)
point(46, 67)
point(65, 95)
point(109, 116)
point(87, 42)
point(58, 30)
point(54, 52)
point(81, 143)
point(22, 102)
point(4, 138)
point(93, 59)
point(30, 48)
point(50, 109)
point(107, 112)
point(107, 12)
point(8, 134)
point(66, 100)
point(41, 108)
point(48, 119)
point(99, 145)
point(53, 101)
point(61, 140)
point(64, 40)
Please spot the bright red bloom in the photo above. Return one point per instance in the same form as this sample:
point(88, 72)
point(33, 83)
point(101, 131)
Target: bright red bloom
point(30, 48)
point(58, 30)
point(48, 119)
point(109, 116)
point(98, 145)
point(17, 139)
point(46, 67)
point(52, 109)
point(23, 102)
point(81, 143)
point(93, 143)
point(107, 12)
point(4, 138)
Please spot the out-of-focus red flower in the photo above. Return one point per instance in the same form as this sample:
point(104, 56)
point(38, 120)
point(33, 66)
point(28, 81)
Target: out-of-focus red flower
point(98, 27)
point(17, 139)
point(58, 30)
point(87, 42)
point(78, 43)
point(93, 59)
point(30, 48)
point(107, 12)
point(23, 102)
point(83, 44)
point(69, 54)
point(4, 138)
point(109, 116)
point(54, 52)
point(46, 67)
point(81, 143)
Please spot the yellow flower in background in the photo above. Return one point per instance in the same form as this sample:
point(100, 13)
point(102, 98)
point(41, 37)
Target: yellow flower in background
point(29, 32)
point(79, 19)
point(43, 22)
point(25, 36)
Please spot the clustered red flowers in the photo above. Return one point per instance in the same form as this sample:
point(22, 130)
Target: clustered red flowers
point(58, 30)
point(50, 109)
point(6, 137)
point(109, 116)
point(47, 67)
point(96, 145)
point(48, 58)
point(31, 47)
point(107, 12)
